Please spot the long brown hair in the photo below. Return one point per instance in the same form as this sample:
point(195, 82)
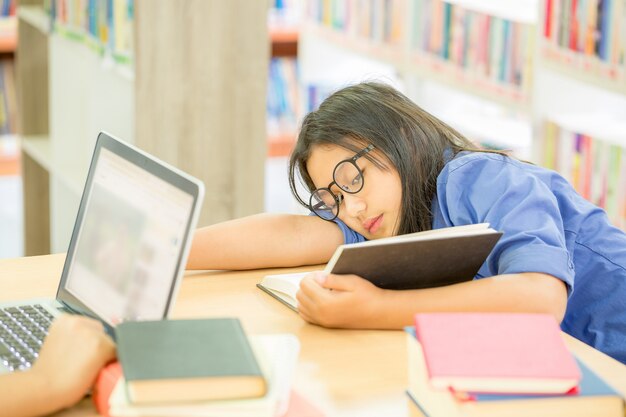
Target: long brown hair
point(410, 139)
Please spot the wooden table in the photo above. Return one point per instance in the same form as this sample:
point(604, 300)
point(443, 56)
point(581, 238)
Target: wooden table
point(343, 372)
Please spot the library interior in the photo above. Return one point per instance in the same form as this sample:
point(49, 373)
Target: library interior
point(219, 89)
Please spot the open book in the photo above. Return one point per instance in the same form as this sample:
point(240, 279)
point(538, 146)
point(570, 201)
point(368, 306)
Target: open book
point(432, 258)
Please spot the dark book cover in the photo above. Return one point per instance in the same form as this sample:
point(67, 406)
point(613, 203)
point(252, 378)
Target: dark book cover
point(171, 360)
point(415, 264)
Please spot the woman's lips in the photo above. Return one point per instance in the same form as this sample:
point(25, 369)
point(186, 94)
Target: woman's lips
point(372, 225)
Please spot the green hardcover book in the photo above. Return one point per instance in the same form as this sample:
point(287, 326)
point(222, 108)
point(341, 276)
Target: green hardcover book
point(188, 360)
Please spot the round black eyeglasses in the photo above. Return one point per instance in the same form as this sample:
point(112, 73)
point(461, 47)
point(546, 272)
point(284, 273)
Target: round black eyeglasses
point(348, 177)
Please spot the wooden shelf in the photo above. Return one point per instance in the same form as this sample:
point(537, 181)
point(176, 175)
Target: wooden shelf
point(600, 126)
point(36, 17)
point(9, 155)
point(433, 68)
point(9, 165)
point(7, 44)
point(42, 151)
point(280, 144)
point(284, 42)
point(70, 92)
point(8, 34)
point(514, 10)
point(390, 54)
point(586, 69)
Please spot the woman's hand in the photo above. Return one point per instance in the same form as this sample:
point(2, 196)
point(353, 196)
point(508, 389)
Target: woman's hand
point(345, 301)
point(69, 360)
point(75, 349)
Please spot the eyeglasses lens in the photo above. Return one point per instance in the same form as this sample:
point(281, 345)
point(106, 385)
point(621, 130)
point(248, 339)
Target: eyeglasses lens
point(348, 177)
point(324, 204)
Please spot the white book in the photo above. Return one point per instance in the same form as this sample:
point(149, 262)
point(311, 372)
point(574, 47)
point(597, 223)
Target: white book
point(277, 356)
point(418, 260)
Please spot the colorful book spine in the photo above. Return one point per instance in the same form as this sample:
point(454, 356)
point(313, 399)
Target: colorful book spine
point(488, 46)
point(589, 34)
point(283, 98)
point(8, 98)
point(378, 21)
point(595, 166)
point(103, 25)
point(483, 51)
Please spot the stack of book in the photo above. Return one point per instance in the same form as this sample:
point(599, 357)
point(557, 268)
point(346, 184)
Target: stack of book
point(204, 367)
point(497, 364)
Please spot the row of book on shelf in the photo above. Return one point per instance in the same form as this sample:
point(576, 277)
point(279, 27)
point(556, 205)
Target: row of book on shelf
point(589, 35)
point(591, 27)
point(491, 47)
point(288, 99)
point(8, 98)
point(283, 101)
point(499, 49)
point(595, 164)
point(7, 8)
point(374, 20)
point(104, 25)
point(500, 364)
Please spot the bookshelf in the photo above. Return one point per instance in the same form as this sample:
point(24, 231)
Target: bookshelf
point(282, 101)
point(581, 74)
point(283, 90)
point(190, 89)
point(585, 41)
point(439, 53)
point(8, 34)
point(284, 42)
point(487, 68)
point(9, 159)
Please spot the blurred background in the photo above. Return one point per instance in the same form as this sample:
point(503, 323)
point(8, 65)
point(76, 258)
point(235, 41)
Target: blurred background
point(219, 88)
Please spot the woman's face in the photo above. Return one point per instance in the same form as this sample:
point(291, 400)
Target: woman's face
point(374, 211)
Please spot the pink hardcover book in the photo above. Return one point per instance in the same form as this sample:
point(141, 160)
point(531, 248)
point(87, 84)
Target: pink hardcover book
point(496, 353)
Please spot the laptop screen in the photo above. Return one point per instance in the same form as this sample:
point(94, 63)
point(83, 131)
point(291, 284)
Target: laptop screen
point(126, 248)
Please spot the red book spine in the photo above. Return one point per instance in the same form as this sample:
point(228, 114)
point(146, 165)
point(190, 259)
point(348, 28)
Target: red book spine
point(574, 27)
point(548, 20)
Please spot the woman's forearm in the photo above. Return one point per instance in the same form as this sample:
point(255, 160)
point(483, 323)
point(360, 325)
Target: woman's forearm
point(26, 394)
point(526, 292)
point(264, 240)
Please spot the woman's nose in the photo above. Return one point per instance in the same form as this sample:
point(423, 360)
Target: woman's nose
point(353, 204)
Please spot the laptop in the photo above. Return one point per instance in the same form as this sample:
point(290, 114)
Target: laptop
point(127, 252)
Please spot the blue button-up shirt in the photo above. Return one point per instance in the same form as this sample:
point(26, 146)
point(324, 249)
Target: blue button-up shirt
point(548, 228)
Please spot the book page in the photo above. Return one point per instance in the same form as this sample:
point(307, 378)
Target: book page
point(286, 284)
point(466, 230)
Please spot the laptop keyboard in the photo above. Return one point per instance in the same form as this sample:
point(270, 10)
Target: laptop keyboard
point(22, 331)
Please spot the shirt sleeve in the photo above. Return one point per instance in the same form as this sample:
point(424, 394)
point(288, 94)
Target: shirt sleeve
point(498, 190)
point(349, 235)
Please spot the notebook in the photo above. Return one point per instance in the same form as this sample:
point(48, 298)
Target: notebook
point(127, 252)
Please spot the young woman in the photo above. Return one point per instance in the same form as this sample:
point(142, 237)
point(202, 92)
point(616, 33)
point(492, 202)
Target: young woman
point(378, 165)
point(69, 360)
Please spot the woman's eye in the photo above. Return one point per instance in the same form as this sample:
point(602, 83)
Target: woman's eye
point(357, 179)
